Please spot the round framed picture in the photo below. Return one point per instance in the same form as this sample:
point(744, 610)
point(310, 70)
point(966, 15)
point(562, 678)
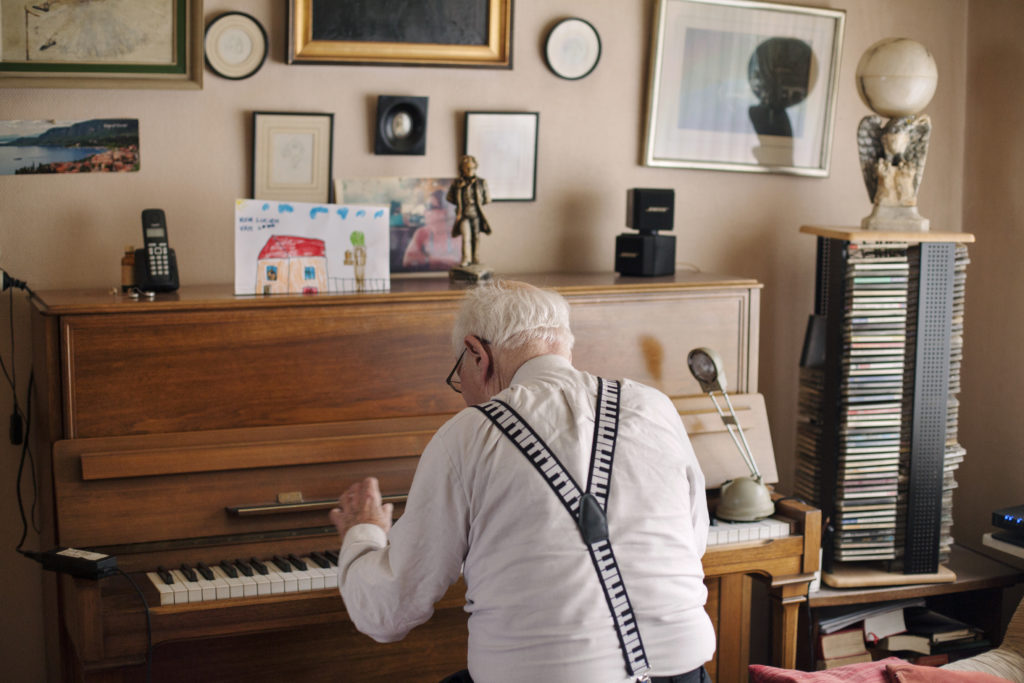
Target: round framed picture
point(573, 48)
point(235, 45)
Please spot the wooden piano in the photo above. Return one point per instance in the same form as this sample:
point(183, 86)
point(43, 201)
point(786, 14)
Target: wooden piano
point(201, 427)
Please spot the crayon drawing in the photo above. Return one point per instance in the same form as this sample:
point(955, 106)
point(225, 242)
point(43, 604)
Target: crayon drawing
point(306, 248)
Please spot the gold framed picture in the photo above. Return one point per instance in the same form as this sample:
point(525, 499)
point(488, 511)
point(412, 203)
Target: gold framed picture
point(471, 33)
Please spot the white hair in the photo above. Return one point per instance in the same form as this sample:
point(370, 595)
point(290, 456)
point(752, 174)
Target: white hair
point(511, 315)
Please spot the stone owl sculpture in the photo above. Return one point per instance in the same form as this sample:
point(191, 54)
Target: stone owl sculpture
point(892, 157)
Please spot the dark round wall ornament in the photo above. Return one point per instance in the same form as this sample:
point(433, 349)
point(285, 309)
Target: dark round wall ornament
point(572, 49)
point(235, 45)
point(401, 125)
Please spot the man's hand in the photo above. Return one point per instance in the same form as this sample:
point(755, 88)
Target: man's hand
point(361, 504)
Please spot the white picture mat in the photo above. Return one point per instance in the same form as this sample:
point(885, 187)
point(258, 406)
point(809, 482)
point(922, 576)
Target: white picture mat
point(256, 220)
point(717, 83)
point(292, 156)
point(505, 147)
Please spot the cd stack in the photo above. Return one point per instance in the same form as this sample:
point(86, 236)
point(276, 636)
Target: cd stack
point(875, 451)
point(871, 401)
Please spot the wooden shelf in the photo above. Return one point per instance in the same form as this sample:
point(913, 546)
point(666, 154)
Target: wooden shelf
point(974, 571)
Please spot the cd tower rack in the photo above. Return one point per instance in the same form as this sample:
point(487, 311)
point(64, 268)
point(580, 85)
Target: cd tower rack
point(880, 368)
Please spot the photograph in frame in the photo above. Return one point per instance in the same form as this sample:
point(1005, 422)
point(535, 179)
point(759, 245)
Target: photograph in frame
point(420, 220)
point(101, 44)
point(469, 33)
point(505, 147)
point(292, 156)
point(740, 86)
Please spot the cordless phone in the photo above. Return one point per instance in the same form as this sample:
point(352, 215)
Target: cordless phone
point(156, 268)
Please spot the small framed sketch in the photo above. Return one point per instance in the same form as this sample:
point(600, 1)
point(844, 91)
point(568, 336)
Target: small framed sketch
point(505, 147)
point(291, 156)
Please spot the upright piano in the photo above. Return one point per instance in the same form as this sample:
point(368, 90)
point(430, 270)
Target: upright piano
point(208, 433)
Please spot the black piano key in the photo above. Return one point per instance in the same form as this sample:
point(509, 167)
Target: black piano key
point(332, 555)
point(281, 563)
point(204, 571)
point(320, 559)
point(165, 575)
point(188, 572)
point(296, 562)
point(259, 566)
point(244, 567)
point(228, 569)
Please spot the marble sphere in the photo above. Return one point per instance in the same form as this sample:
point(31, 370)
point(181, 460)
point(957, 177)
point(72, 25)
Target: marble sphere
point(897, 77)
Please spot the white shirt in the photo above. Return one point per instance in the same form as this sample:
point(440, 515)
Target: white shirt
point(537, 611)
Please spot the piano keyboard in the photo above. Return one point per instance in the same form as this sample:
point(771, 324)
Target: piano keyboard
point(723, 533)
point(246, 578)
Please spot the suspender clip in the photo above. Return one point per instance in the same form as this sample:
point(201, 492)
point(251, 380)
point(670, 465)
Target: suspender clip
point(593, 523)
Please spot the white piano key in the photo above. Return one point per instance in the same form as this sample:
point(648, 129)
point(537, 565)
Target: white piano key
point(193, 592)
point(208, 587)
point(263, 584)
point(277, 582)
point(166, 590)
point(304, 577)
point(234, 585)
point(318, 575)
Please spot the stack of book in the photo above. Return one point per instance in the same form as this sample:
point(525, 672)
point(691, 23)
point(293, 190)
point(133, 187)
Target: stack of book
point(933, 638)
point(842, 648)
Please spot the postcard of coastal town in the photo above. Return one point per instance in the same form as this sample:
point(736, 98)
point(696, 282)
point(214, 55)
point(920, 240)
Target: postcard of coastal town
point(308, 248)
point(95, 32)
point(88, 146)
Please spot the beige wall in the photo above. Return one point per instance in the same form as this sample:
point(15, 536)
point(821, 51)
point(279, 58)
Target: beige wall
point(68, 231)
point(990, 416)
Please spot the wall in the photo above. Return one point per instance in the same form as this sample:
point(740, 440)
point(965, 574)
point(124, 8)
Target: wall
point(992, 430)
point(68, 231)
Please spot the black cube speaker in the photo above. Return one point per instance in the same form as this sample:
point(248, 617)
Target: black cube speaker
point(647, 254)
point(648, 210)
point(401, 125)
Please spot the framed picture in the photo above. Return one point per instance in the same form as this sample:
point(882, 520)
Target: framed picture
point(505, 147)
point(420, 220)
point(101, 44)
point(743, 86)
point(426, 32)
point(291, 156)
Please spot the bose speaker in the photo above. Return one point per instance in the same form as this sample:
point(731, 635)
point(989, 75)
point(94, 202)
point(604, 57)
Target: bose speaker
point(401, 125)
point(647, 253)
point(649, 210)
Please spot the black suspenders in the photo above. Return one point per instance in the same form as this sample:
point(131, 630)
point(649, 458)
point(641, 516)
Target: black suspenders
point(587, 509)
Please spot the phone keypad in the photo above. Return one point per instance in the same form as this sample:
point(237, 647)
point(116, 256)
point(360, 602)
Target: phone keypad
point(158, 264)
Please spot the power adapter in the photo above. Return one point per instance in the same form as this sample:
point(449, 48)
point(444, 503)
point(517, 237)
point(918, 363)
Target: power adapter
point(84, 564)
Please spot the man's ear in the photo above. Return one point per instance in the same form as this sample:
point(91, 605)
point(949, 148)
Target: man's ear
point(479, 356)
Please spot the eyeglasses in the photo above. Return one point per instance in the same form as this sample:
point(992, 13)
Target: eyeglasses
point(454, 382)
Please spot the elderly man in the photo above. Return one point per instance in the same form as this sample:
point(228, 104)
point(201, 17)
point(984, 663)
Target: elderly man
point(523, 492)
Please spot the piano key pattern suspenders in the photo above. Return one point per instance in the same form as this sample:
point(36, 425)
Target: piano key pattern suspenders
point(586, 508)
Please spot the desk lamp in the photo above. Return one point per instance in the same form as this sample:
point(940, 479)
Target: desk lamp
point(744, 499)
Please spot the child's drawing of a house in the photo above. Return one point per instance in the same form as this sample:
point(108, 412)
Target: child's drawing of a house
point(289, 264)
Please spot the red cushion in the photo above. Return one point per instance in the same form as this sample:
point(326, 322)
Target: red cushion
point(862, 672)
point(905, 672)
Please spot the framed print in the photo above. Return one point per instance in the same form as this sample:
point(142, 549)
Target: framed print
point(101, 44)
point(505, 147)
point(235, 45)
point(291, 156)
point(743, 86)
point(425, 32)
point(420, 220)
